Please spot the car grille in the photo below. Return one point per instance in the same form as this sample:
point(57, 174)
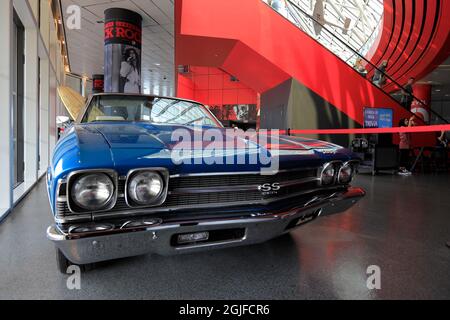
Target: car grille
point(220, 190)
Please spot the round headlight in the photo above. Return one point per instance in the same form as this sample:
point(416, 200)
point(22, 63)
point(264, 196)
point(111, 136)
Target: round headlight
point(327, 176)
point(346, 174)
point(92, 191)
point(145, 187)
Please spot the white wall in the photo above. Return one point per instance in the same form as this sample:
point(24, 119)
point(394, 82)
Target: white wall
point(5, 108)
point(41, 101)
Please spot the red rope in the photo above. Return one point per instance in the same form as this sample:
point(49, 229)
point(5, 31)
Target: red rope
point(434, 128)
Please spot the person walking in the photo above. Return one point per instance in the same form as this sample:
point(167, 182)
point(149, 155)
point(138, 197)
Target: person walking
point(379, 77)
point(407, 94)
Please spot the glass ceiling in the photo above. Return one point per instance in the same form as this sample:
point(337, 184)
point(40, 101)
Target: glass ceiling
point(356, 22)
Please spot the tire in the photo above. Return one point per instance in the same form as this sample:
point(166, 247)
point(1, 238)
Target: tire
point(63, 263)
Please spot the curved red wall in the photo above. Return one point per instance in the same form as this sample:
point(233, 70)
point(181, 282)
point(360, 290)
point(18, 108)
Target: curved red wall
point(415, 38)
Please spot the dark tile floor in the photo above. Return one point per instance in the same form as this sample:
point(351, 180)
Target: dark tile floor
point(401, 226)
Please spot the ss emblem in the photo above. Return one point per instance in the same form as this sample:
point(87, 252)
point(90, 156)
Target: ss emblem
point(268, 187)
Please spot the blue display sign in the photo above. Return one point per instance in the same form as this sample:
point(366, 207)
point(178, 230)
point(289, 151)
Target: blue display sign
point(378, 118)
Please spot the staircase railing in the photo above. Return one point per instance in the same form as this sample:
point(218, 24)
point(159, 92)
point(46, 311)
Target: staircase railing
point(295, 13)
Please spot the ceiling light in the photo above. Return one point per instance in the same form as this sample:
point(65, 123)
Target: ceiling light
point(157, 64)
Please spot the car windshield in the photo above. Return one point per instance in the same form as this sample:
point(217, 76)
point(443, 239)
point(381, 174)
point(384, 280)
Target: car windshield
point(148, 109)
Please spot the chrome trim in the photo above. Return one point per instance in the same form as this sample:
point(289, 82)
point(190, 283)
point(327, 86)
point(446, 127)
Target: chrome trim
point(140, 224)
point(106, 227)
point(120, 243)
point(112, 202)
point(73, 219)
point(58, 187)
point(238, 187)
point(212, 244)
point(162, 197)
point(58, 197)
point(235, 173)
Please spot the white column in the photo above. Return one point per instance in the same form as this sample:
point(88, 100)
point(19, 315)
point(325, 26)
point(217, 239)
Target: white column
point(52, 111)
point(31, 106)
point(46, 20)
point(6, 15)
point(44, 114)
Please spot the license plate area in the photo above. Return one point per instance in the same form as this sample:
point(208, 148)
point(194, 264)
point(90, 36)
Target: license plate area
point(208, 236)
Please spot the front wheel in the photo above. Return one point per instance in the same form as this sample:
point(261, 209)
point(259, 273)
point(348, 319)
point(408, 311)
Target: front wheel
point(63, 263)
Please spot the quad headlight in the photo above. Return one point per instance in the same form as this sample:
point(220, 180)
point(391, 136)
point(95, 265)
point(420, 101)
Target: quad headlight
point(92, 191)
point(337, 172)
point(328, 174)
point(346, 173)
point(145, 188)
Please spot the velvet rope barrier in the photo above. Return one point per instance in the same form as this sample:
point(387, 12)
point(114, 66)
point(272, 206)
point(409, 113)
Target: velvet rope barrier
point(419, 129)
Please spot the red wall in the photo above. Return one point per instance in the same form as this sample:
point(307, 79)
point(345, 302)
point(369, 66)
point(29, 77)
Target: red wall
point(204, 29)
point(410, 48)
point(185, 87)
point(212, 86)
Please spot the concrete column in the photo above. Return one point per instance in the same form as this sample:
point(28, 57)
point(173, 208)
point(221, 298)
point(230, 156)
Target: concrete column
point(6, 15)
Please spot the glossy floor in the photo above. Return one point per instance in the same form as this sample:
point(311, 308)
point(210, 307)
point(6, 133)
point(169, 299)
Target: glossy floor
point(401, 226)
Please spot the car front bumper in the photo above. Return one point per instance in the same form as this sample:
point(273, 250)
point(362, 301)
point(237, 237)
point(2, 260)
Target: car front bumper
point(120, 242)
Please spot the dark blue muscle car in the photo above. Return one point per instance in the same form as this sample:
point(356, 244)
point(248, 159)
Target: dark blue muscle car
point(140, 174)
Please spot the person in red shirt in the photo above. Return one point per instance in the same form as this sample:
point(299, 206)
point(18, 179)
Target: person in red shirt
point(405, 146)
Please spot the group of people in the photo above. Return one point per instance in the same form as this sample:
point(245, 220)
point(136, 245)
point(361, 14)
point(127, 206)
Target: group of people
point(379, 75)
point(379, 79)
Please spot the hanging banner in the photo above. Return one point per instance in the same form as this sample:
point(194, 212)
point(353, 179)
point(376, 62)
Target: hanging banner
point(97, 83)
point(123, 44)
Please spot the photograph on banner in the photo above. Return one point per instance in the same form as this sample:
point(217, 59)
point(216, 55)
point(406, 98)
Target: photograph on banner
point(123, 49)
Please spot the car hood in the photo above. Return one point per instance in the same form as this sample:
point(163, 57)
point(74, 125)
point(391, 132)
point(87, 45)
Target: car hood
point(148, 136)
point(126, 146)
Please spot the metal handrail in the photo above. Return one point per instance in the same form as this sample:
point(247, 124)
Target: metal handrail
point(300, 10)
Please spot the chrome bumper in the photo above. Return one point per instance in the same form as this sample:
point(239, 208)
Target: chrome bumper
point(90, 247)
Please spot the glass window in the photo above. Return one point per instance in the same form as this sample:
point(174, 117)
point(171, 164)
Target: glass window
point(18, 99)
point(355, 22)
point(148, 109)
